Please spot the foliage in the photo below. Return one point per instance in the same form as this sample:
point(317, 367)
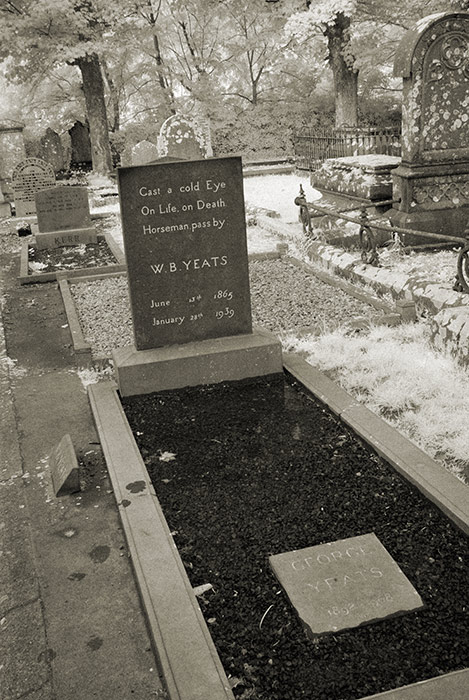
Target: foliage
point(235, 61)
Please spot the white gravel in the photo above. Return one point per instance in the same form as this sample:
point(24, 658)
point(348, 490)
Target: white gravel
point(283, 296)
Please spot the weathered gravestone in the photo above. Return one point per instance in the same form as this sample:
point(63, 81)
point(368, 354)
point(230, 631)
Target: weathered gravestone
point(344, 584)
point(80, 144)
point(181, 138)
point(185, 244)
point(144, 152)
point(52, 150)
point(12, 151)
point(64, 467)
point(63, 217)
point(29, 177)
point(433, 179)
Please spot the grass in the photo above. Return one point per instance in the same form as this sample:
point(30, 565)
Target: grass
point(398, 375)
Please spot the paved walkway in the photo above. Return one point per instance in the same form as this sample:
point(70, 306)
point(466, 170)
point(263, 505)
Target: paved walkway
point(71, 625)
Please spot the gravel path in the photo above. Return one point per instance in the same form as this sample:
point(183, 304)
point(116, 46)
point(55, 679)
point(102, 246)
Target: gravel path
point(284, 298)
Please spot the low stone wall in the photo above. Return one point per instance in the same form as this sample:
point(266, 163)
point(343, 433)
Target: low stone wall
point(449, 309)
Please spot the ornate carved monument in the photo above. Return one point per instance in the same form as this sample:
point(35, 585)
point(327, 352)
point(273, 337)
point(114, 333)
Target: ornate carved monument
point(433, 178)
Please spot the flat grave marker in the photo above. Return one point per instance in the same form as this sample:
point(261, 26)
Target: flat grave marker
point(185, 242)
point(63, 217)
point(64, 467)
point(344, 584)
point(28, 177)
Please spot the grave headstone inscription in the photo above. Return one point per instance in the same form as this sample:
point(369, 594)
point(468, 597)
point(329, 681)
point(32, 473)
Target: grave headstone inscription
point(185, 243)
point(63, 217)
point(183, 226)
point(344, 584)
point(432, 181)
point(28, 177)
point(64, 467)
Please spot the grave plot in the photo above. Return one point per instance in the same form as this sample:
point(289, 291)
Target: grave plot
point(247, 466)
point(248, 473)
point(43, 265)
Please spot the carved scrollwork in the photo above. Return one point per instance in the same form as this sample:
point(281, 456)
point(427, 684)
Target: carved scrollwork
point(454, 51)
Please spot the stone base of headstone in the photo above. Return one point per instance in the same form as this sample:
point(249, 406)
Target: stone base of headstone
point(451, 222)
point(204, 362)
point(56, 239)
point(433, 199)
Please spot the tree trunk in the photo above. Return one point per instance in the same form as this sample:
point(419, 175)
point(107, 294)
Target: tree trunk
point(93, 89)
point(113, 97)
point(345, 74)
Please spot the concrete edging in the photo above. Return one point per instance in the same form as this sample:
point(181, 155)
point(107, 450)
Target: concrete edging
point(438, 485)
point(168, 600)
point(189, 661)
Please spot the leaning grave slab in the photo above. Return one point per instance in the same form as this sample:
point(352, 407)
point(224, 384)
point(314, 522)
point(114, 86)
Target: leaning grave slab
point(185, 243)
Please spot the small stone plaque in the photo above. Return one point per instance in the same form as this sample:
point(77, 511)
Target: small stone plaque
point(64, 467)
point(184, 235)
point(344, 584)
point(62, 209)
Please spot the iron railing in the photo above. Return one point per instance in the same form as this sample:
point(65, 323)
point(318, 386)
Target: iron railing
point(312, 146)
point(367, 238)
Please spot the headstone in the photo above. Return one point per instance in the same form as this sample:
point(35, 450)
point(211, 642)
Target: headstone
point(64, 467)
point(144, 152)
point(52, 150)
point(80, 143)
point(30, 176)
point(5, 209)
point(12, 149)
point(180, 137)
point(63, 217)
point(433, 179)
point(185, 243)
point(344, 584)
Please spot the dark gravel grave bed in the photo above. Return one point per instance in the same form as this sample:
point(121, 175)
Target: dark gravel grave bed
point(70, 257)
point(247, 470)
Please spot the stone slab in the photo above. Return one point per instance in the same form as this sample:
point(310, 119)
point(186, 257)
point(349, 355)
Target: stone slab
point(192, 364)
point(57, 239)
point(184, 235)
point(450, 686)
point(366, 177)
point(62, 209)
point(344, 584)
point(64, 467)
point(28, 177)
point(23, 650)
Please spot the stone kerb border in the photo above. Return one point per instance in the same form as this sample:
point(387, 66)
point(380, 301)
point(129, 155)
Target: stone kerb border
point(449, 309)
point(189, 662)
point(31, 278)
